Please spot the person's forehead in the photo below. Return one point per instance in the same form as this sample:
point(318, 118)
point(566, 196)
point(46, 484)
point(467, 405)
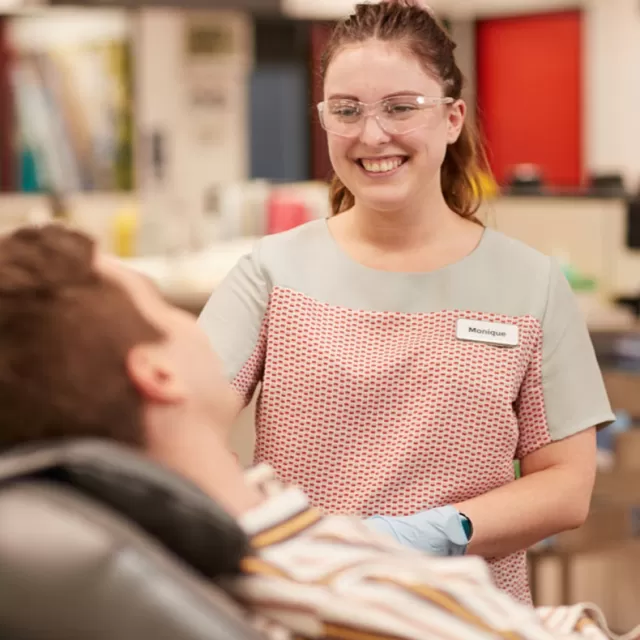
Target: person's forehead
point(377, 69)
point(142, 293)
point(133, 281)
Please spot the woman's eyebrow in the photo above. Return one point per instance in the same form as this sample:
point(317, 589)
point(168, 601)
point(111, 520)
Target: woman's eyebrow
point(343, 96)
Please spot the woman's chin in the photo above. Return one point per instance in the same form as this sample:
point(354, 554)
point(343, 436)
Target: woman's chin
point(387, 199)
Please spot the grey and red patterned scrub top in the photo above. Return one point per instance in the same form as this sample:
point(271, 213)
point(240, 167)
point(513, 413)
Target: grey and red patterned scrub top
point(391, 393)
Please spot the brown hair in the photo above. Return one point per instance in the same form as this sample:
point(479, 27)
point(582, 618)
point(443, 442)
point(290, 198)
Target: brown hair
point(65, 332)
point(406, 22)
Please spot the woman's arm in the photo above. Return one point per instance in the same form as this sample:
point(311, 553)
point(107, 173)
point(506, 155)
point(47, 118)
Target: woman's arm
point(562, 393)
point(552, 496)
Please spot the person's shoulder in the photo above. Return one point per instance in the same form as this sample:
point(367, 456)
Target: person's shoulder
point(515, 275)
point(506, 250)
point(293, 238)
point(281, 248)
point(519, 263)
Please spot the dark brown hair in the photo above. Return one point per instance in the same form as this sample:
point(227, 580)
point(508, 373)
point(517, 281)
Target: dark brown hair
point(409, 24)
point(65, 332)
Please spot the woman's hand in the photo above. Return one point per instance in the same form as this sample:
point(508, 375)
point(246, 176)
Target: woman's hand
point(437, 532)
point(552, 496)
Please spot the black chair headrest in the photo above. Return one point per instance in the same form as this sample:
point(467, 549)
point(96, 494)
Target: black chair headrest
point(165, 505)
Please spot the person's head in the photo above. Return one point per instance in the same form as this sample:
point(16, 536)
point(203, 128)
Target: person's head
point(393, 112)
point(90, 349)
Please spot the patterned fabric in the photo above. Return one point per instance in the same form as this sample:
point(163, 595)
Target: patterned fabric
point(404, 444)
point(371, 403)
point(314, 576)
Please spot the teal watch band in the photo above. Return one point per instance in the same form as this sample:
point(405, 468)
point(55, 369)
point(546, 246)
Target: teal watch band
point(467, 525)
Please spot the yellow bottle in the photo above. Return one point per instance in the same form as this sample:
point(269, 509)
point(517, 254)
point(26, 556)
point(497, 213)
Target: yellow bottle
point(125, 231)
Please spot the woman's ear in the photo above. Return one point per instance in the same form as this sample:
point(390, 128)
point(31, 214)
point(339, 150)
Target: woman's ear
point(151, 370)
point(455, 121)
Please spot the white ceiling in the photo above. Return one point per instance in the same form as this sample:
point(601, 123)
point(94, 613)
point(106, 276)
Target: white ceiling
point(333, 9)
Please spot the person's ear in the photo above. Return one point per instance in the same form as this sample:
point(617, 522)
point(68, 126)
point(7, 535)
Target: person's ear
point(154, 376)
point(455, 121)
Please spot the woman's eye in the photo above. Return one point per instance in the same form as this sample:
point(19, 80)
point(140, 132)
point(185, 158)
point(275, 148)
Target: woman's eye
point(400, 108)
point(345, 111)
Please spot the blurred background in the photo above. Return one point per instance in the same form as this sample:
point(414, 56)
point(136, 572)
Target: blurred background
point(178, 133)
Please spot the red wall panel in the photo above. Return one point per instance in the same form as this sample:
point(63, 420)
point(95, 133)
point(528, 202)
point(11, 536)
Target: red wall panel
point(529, 84)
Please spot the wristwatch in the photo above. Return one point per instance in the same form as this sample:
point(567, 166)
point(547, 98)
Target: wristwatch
point(467, 525)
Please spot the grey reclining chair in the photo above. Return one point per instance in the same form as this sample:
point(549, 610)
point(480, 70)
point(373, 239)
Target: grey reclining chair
point(98, 543)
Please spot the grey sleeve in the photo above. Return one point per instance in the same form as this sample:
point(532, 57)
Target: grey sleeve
point(563, 392)
point(235, 319)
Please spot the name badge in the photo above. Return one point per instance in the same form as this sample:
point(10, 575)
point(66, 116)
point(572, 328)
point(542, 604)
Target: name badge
point(505, 335)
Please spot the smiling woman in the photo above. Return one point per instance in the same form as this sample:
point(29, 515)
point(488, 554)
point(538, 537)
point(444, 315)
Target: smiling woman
point(403, 364)
point(424, 84)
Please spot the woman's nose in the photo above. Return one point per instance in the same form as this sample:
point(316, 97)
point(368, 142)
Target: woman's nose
point(372, 133)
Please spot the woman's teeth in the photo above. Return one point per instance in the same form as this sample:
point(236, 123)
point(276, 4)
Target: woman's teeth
point(382, 166)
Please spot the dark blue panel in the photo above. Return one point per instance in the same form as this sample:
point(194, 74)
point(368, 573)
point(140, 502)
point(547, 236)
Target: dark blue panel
point(280, 122)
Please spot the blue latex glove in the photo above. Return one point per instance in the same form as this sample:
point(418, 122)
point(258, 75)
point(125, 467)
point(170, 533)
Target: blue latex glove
point(437, 532)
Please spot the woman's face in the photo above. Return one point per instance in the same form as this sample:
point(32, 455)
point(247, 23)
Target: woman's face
point(386, 170)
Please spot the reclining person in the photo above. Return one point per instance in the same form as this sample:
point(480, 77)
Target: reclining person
point(91, 349)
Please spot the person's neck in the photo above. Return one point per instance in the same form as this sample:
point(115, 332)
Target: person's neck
point(200, 454)
point(424, 222)
point(402, 230)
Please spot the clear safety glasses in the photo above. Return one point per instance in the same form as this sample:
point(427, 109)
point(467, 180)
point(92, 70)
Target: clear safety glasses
point(396, 115)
